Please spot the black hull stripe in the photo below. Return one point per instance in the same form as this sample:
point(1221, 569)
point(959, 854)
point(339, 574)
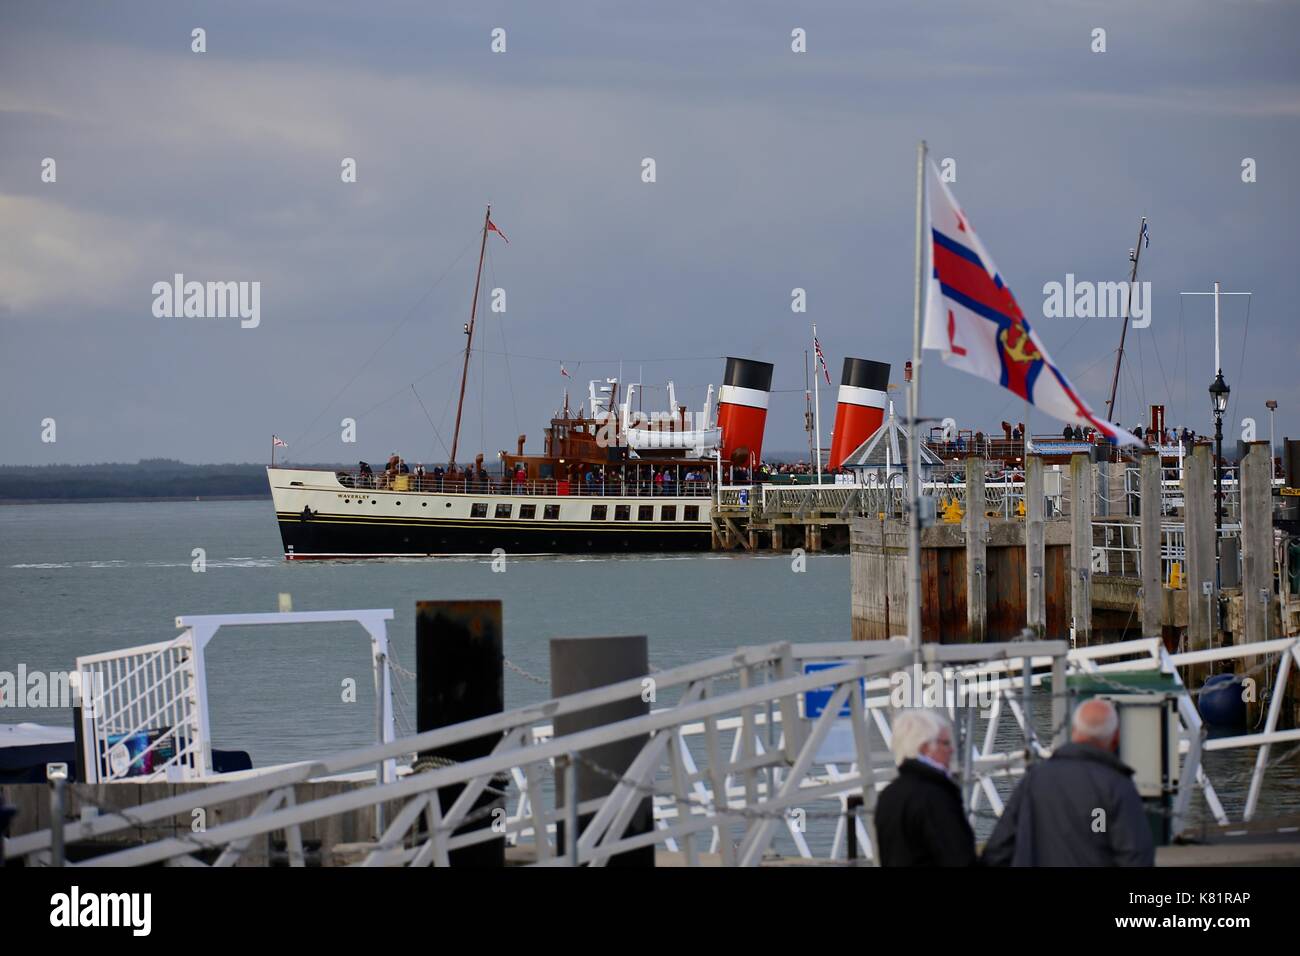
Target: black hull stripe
point(526, 525)
point(384, 539)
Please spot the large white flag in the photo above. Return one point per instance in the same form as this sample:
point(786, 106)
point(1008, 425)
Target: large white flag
point(973, 319)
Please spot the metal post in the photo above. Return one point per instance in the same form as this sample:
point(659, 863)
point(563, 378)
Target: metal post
point(1027, 701)
point(852, 804)
point(58, 778)
point(381, 662)
point(1218, 501)
point(914, 415)
point(1060, 702)
point(571, 807)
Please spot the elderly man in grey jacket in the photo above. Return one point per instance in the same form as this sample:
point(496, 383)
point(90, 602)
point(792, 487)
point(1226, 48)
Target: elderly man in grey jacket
point(1080, 808)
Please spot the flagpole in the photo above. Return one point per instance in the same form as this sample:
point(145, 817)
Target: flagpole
point(273, 451)
point(817, 409)
point(914, 415)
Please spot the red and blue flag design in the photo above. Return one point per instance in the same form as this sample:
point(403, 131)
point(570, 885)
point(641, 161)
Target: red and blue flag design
point(975, 321)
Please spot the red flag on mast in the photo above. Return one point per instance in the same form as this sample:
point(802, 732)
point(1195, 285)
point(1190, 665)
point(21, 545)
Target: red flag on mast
point(492, 227)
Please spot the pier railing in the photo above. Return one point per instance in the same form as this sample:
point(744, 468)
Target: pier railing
point(144, 714)
point(1005, 498)
point(741, 757)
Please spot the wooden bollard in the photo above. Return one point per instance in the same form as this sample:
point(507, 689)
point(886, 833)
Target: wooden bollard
point(459, 676)
point(581, 663)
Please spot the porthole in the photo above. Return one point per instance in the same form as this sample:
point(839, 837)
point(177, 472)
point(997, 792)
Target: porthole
point(424, 504)
point(398, 503)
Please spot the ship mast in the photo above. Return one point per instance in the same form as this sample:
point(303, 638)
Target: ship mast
point(1132, 280)
point(469, 335)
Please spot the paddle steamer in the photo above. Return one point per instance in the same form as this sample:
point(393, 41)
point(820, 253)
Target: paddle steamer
point(608, 480)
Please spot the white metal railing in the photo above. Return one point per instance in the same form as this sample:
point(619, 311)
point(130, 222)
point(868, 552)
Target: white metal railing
point(1116, 546)
point(712, 764)
point(738, 798)
point(146, 718)
point(141, 714)
point(865, 499)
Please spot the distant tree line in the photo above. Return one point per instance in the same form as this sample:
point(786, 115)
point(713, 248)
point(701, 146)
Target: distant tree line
point(147, 478)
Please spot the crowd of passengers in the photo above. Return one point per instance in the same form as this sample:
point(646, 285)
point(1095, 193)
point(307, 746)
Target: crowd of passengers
point(637, 478)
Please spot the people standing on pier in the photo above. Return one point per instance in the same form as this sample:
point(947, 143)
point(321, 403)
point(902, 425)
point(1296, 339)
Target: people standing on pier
point(1080, 808)
point(919, 817)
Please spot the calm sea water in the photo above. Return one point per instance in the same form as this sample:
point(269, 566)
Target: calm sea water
point(82, 578)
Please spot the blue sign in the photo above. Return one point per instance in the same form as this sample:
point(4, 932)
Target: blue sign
point(815, 701)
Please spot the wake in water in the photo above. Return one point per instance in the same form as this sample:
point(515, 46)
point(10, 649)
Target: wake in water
point(264, 562)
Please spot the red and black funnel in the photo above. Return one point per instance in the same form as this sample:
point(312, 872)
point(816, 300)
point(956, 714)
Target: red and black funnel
point(864, 395)
point(742, 410)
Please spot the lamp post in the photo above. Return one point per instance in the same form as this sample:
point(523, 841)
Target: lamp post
point(1219, 401)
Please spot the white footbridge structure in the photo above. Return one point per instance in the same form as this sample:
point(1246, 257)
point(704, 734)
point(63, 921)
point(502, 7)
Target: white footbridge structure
point(773, 750)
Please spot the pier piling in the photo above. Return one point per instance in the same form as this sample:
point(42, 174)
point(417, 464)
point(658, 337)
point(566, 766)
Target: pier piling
point(1035, 548)
point(1198, 499)
point(1257, 539)
point(1081, 483)
point(976, 526)
point(582, 663)
point(459, 661)
point(1149, 543)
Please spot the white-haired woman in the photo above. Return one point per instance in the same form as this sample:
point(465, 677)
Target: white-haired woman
point(919, 817)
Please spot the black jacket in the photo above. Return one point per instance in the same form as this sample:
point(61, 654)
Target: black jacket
point(919, 820)
point(1080, 808)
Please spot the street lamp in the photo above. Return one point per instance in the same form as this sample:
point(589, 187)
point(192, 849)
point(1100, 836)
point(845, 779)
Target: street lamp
point(1219, 401)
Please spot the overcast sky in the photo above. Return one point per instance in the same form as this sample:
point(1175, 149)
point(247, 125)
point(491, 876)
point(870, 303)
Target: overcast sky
point(775, 170)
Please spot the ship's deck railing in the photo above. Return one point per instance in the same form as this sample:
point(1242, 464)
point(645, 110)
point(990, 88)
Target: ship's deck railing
point(713, 764)
point(550, 487)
